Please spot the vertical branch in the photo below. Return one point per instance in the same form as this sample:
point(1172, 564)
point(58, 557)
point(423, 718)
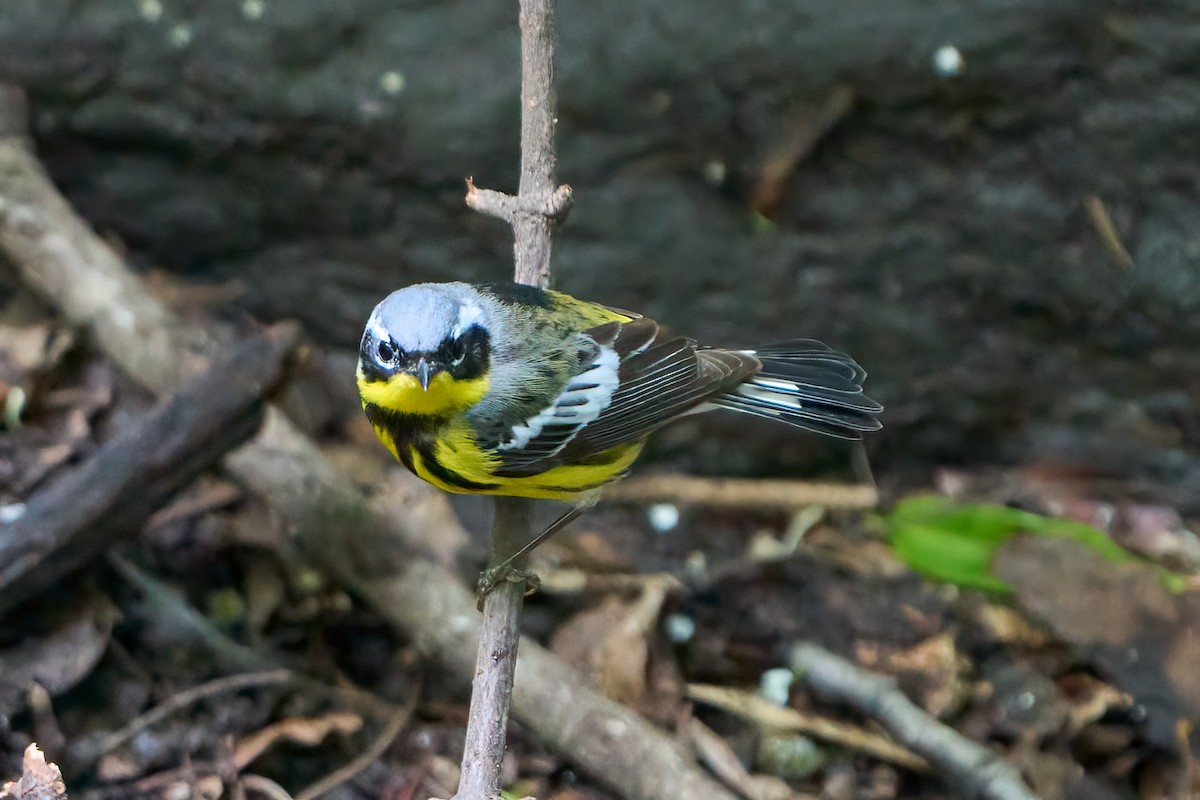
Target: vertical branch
point(531, 230)
point(532, 214)
point(495, 665)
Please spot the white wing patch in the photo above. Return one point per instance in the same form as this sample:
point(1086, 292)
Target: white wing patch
point(582, 400)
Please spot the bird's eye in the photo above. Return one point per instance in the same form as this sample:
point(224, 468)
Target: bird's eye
point(386, 352)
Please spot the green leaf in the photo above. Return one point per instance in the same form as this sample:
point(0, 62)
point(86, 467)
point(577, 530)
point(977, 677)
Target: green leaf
point(956, 543)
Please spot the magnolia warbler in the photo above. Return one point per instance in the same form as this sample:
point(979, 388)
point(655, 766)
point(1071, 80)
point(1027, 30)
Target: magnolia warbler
point(507, 389)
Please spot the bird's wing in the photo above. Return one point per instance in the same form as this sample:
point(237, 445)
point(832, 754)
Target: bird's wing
point(634, 378)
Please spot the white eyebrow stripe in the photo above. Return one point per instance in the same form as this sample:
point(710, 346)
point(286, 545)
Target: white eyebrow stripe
point(376, 329)
point(582, 400)
point(468, 315)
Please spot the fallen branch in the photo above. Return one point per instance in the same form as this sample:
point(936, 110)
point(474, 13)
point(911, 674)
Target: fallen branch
point(766, 714)
point(977, 771)
point(741, 492)
point(111, 495)
point(341, 534)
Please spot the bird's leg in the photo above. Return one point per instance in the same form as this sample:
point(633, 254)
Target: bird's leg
point(505, 571)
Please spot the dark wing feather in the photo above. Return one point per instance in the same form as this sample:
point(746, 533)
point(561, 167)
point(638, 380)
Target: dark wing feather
point(666, 379)
point(658, 378)
point(807, 384)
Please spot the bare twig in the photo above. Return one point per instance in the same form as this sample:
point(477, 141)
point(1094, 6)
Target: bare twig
point(181, 700)
point(804, 132)
point(495, 663)
point(539, 203)
point(508, 208)
point(765, 713)
point(741, 492)
point(532, 214)
point(1102, 221)
point(974, 768)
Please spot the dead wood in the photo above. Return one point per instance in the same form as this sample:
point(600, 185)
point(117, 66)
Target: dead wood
point(784, 495)
point(111, 495)
point(975, 770)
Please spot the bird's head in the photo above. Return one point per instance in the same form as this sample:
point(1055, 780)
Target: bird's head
point(425, 350)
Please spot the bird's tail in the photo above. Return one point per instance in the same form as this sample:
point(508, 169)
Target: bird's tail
point(807, 384)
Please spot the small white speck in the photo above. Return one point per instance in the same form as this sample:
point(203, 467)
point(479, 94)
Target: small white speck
point(11, 512)
point(1026, 701)
point(253, 9)
point(663, 516)
point(180, 35)
point(615, 728)
point(715, 171)
point(947, 61)
point(679, 628)
point(392, 82)
point(370, 109)
point(150, 9)
point(461, 623)
point(776, 684)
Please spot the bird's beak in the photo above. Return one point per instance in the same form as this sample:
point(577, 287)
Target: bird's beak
point(423, 373)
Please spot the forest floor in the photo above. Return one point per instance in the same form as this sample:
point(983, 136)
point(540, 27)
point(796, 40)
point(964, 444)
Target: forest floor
point(1057, 623)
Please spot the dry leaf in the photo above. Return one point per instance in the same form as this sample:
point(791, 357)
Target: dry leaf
point(60, 659)
point(301, 730)
point(610, 644)
point(1118, 617)
point(40, 780)
point(929, 670)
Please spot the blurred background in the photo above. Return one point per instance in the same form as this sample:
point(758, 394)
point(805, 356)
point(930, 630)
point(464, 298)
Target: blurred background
point(992, 205)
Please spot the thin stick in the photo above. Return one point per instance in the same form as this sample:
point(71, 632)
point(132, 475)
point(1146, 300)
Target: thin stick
point(177, 702)
point(495, 664)
point(741, 492)
point(976, 770)
point(766, 714)
point(538, 207)
point(539, 112)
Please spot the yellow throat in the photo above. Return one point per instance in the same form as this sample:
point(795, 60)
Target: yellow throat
point(403, 393)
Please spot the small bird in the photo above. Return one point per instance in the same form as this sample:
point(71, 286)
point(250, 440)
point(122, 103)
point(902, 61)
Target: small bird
point(507, 389)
